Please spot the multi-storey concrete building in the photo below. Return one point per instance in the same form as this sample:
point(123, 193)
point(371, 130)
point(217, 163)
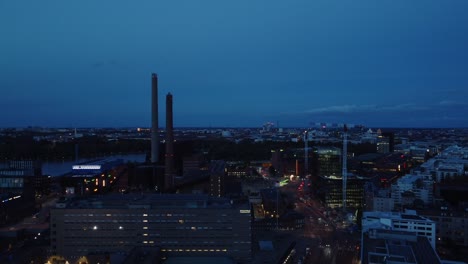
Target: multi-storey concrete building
point(19, 182)
point(218, 178)
point(450, 163)
point(451, 223)
point(329, 161)
point(383, 144)
point(421, 185)
point(408, 221)
point(381, 246)
point(179, 225)
point(382, 204)
point(449, 171)
point(331, 191)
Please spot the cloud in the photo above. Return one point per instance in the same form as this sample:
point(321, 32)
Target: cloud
point(451, 103)
point(340, 109)
point(99, 64)
point(366, 108)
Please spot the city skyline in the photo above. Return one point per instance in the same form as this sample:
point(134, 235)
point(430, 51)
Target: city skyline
point(239, 64)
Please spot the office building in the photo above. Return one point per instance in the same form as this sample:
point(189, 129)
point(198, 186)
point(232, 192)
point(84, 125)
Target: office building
point(18, 190)
point(451, 223)
point(329, 161)
point(331, 191)
point(179, 225)
point(221, 184)
point(390, 136)
point(380, 246)
point(382, 202)
point(412, 187)
point(91, 178)
point(383, 144)
point(408, 221)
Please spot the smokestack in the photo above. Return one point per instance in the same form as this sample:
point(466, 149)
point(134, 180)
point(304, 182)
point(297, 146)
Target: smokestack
point(345, 165)
point(154, 119)
point(169, 170)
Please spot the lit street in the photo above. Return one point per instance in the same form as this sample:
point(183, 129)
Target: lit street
point(320, 241)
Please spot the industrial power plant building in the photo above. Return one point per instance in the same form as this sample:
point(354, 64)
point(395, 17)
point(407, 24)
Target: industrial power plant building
point(175, 224)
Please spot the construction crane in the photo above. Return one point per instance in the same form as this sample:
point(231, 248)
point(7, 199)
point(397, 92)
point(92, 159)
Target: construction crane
point(345, 159)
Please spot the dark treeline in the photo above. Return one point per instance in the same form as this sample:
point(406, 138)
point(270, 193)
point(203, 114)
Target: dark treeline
point(25, 147)
point(247, 150)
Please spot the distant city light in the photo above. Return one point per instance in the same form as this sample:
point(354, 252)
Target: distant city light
point(11, 198)
point(86, 167)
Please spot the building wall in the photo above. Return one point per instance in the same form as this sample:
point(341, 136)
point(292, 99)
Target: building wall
point(450, 228)
point(383, 204)
point(422, 228)
point(400, 222)
point(179, 231)
point(329, 161)
point(383, 145)
point(333, 189)
point(446, 172)
point(218, 178)
point(17, 191)
point(420, 185)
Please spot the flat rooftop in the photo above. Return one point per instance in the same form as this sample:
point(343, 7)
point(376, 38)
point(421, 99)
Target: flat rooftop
point(408, 215)
point(383, 246)
point(125, 201)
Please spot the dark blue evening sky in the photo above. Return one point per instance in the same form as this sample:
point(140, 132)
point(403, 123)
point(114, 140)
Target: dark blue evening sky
point(234, 63)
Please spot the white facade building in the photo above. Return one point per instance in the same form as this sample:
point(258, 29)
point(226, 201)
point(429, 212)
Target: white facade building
point(419, 184)
point(383, 204)
point(408, 221)
point(448, 164)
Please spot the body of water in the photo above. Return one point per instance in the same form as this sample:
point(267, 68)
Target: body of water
point(58, 168)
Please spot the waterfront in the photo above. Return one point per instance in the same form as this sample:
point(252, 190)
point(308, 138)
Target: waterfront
point(58, 168)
